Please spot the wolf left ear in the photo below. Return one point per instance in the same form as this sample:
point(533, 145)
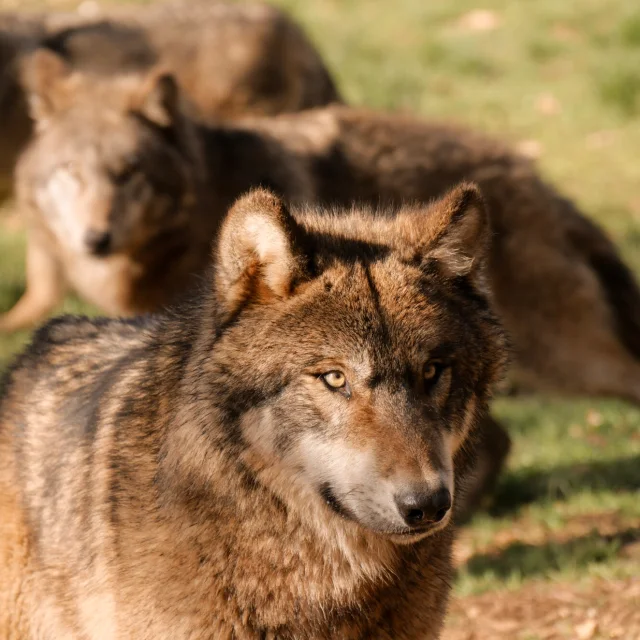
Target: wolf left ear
point(47, 82)
point(159, 99)
point(259, 255)
point(460, 229)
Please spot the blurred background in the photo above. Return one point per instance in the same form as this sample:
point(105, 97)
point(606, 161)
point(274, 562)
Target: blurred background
point(557, 554)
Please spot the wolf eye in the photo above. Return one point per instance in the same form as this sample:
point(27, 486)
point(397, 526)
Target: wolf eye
point(431, 373)
point(337, 381)
point(130, 169)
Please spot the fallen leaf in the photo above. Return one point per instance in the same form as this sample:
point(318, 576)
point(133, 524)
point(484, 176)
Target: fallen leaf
point(601, 139)
point(547, 104)
point(530, 148)
point(594, 418)
point(480, 20)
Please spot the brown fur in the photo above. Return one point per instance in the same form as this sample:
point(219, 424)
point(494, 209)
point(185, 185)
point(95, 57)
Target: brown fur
point(230, 59)
point(569, 303)
point(192, 475)
point(16, 36)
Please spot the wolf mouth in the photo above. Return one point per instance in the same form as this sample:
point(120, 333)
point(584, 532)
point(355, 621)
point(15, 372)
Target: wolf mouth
point(332, 501)
point(329, 497)
point(417, 531)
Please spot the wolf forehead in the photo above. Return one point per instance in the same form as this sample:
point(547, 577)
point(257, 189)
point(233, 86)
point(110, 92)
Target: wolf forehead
point(364, 270)
point(384, 252)
point(366, 284)
point(370, 314)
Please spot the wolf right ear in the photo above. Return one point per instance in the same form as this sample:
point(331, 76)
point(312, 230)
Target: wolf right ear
point(45, 78)
point(259, 256)
point(459, 231)
point(159, 99)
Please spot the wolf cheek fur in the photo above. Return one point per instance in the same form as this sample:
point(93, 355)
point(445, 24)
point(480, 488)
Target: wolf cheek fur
point(341, 359)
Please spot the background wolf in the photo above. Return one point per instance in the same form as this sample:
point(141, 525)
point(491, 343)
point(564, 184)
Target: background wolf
point(277, 458)
point(121, 173)
point(230, 59)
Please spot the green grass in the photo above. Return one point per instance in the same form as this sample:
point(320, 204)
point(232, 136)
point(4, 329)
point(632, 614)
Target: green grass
point(571, 458)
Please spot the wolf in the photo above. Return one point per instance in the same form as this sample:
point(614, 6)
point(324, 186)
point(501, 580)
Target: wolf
point(230, 60)
point(16, 36)
point(278, 457)
point(123, 193)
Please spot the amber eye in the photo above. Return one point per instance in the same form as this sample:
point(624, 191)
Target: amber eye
point(335, 379)
point(431, 373)
point(130, 168)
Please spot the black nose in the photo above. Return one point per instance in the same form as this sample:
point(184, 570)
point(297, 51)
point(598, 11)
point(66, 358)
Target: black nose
point(422, 506)
point(98, 242)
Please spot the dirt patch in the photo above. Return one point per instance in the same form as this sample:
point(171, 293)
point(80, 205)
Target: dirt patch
point(555, 611)
point(552, 610)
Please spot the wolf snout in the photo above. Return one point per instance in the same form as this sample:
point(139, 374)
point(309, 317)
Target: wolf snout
point(421, 506)
point(98, 242)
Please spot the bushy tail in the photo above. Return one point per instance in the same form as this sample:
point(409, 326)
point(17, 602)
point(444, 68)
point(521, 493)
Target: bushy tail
point(618, 282)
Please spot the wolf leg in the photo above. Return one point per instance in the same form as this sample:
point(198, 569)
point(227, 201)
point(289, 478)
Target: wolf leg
point(492, 448)
point(45, 288)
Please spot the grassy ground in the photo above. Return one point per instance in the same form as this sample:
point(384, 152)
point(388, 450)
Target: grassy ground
point(562, 81)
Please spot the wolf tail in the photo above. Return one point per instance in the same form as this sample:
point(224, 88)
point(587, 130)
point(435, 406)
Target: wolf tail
point(618, 283)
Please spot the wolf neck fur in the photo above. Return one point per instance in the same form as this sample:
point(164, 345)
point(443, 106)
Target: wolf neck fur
point(342, 563)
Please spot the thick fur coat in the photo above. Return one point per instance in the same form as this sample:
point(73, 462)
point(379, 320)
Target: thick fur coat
point(277, 458)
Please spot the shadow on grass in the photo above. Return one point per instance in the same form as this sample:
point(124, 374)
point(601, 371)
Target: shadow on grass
point(519, 488)
point(528, 560)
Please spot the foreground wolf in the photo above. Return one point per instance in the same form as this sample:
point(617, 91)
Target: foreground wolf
point(123, 193)
point(277, 458)
point(230, 59)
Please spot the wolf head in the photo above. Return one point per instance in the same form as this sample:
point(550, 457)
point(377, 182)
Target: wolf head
point(107, 168)
point(356, 352)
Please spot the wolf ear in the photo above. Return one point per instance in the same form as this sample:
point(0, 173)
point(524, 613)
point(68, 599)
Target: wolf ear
point(159, 99)
point(259, 255)
point(45, 78)
point(460, 231)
